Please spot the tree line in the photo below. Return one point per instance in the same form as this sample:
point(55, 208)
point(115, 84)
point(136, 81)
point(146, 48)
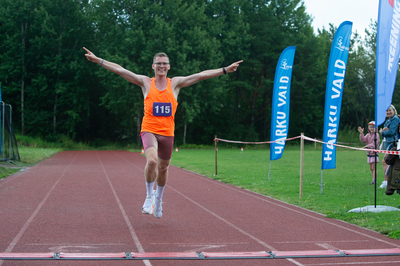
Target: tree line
point(55, 91)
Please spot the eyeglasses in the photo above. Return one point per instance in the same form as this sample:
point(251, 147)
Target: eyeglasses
point(161, 64)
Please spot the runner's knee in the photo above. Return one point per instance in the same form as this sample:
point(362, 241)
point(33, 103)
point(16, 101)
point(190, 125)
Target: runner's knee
point(163, 166)
point(152, 163)
point(162, 169)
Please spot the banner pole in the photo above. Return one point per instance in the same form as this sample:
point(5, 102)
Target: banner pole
point(301, 164)
point(320, 186)
point(269, 174)
point(376, 154)
point(216, 149)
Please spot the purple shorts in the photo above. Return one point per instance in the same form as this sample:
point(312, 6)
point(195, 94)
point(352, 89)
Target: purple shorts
point(163, 144)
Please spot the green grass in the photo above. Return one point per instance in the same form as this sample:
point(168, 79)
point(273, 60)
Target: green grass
point(31, 151)
point(6, 171)
point(344, 188)
point(32, 155)
point(29, 157)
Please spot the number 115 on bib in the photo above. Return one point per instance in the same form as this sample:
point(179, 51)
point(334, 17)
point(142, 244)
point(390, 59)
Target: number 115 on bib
point(162, 109)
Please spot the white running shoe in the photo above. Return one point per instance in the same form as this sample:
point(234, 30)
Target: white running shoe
point(157, 208)
point(148, 204)
point(383, 185)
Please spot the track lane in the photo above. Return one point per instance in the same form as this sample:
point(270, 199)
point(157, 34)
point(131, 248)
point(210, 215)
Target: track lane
point(91, 207)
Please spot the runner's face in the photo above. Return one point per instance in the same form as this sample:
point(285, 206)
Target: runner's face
point(161, 66)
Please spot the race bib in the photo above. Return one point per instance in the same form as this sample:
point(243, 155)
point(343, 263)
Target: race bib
point(162, 109)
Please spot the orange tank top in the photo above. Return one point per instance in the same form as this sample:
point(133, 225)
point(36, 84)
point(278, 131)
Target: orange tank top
point(159, 110)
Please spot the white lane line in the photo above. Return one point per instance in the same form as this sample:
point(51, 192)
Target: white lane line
point(222, 219)
point(232, 225)
point(129, 162)
point(126, 218)
point(29, 221)
point(290, 207)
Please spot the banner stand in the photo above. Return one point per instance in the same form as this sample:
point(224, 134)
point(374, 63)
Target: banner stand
point(376, 155)
point(216, 150)
point(269, 174)
point(301, 164)
point(320, 186)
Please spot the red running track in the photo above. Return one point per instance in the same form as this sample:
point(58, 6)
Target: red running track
point(90, 202)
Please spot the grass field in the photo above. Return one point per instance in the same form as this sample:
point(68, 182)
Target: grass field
point(29, 156)
point(31, 151)
point(344, 188)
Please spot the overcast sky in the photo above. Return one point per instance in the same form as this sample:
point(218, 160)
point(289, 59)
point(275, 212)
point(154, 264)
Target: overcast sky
point(360, 12)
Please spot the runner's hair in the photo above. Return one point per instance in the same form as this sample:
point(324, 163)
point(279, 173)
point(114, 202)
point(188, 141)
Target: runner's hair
point(160, 55)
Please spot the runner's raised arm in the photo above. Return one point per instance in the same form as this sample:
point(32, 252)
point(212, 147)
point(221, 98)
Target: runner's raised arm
point(117, 69)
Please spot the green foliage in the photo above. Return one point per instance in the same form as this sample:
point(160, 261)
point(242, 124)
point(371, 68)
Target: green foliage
point(344, 188)
point(63, 142)
point(55, 91)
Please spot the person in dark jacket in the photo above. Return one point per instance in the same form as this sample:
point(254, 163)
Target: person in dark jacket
point(389, 134)
point(393, 172)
